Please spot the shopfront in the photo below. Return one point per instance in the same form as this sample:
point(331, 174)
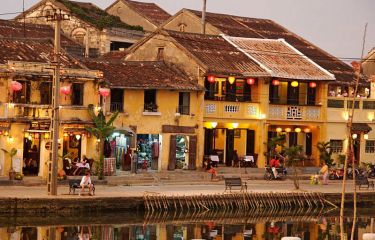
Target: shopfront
point(148, 150)
point(118, 147)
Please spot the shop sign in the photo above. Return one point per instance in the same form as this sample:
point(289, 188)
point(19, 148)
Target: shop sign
point(43, 126)
point(4, 125)
point(177, 129)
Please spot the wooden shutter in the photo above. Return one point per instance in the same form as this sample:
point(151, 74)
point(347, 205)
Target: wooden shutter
point(172, 153)
point(250, 142)
point(192, 153)
point(308, 144)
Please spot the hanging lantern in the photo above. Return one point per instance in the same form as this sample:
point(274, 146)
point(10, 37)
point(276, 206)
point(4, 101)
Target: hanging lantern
point(294, 84)
point(211, 79)
point(46, 136)
point(231, 80)
point(297, 130)
point(104, 92)
point(78, 137)
point(16, 86)
point(279, 129)
point(307, 130)
point(312, 84)
point(66, 134)
point(288, 130)
point(250, 81)
point(275, 82)
point(65, 90)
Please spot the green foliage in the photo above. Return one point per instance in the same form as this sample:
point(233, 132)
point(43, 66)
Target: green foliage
point(325, 152)
point(11, 154)
point(294, 155)
point(18, 176)
point(97, 17)
point(101, 130)
point(272, 144)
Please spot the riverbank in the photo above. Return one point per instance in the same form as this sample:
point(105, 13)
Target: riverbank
point(34, 199)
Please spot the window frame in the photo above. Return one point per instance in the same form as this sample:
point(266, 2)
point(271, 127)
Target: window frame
point(183, 107)
point(81, 89)
point(336, 148)
point(370, 148)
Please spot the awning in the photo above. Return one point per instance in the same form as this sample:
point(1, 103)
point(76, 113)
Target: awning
point(361, 127)
point(125, 130)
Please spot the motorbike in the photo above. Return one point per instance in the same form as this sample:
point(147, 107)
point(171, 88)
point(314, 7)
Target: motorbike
point(336, 173)
point(269, 175)
point(371, 171)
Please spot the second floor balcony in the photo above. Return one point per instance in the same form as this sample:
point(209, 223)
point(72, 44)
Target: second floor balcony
point(238, 110)
point(294, 112)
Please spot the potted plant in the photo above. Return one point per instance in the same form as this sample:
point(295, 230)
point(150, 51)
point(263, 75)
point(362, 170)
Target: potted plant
point(11, 154)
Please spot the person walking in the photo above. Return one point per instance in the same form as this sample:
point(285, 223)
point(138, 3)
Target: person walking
point(324, 172)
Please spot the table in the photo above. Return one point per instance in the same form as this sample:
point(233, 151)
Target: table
point(247, 159)
point(214, 159)
point(109, 167)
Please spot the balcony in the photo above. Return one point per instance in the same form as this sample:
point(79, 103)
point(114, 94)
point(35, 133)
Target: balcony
point(299, 113)
point(238, 110)
point(117, 107)
point(25, 111)
point(339, 108)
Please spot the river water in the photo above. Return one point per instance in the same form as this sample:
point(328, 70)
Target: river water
point(238, 225)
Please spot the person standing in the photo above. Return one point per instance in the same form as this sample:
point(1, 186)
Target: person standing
point(324, 172)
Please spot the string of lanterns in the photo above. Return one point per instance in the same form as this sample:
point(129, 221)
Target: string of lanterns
point(231, 80)
point(297, 130)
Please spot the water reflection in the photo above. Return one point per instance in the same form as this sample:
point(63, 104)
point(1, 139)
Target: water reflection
point(321, 227)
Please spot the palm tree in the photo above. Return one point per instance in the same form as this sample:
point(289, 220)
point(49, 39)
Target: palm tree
point(294, 155)
point(101, 130)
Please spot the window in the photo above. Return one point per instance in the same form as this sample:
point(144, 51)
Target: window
point(274, 94)
point(184, 103)
point(229, 90)
point(45, 89)
point(211, 89)
point(160, 55)
point(77, 94)
point(117, 100)
point(336, 146)
point(243, 91)
point(150, 101)
point(370, 146)
point(22, 96)
point(182, 27)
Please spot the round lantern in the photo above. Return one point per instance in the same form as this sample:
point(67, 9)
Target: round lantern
point(104, 92)
point(294, 84)
point(275, 82)
point(279, 129)
point(211, 79)
point(65, 90)
point(16, 86)
point(250, 81)
point(231, 80)
point(297, 130)
point(312, 84)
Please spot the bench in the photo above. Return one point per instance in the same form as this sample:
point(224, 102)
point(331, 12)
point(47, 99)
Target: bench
point(235, 182)
point(75, 183)
point(363, 181)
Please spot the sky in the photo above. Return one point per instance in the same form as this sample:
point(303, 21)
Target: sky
point(336, 26)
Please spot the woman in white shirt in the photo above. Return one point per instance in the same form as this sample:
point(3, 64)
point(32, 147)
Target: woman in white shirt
point(86, 183)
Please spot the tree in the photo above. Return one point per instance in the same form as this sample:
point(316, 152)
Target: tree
point(272, 145)
point(294, 155)
point(325, 152)
point(101, 130)
point(11, 154)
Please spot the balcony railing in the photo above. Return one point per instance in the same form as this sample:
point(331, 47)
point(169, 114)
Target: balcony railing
point(150, 107)
point(346, 103)
point(117, 107)
point(286, 112)
point(231, 110)
point(25, 111)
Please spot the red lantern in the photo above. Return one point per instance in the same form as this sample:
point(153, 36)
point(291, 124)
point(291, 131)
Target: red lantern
point(211, 79)
point(275, 82)
point(104, 92)
point(65, 90)
point(250, 81)
point(312, 84)
point(16, 86)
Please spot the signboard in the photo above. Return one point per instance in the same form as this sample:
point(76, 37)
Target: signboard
point(43, 126)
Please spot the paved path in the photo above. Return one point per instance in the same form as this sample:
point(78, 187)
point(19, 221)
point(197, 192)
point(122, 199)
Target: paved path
point(136, 191)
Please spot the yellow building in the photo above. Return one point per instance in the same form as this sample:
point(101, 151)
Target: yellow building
point(25, 111)
point(162, 107)
point(239, 87)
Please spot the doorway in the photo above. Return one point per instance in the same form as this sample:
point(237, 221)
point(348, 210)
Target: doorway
point(31, 154)
point(72, 145)
point(357, 149)
point(229, 147)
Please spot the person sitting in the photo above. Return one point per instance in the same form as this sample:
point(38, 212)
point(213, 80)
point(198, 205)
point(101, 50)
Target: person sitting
point(82, 164)
point(275, 163)
point(86, 183)
point(212, 170)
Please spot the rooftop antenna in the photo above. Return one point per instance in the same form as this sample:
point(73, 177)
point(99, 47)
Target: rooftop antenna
point(24, 18)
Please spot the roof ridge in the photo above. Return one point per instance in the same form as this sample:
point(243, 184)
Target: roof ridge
point(228, 15)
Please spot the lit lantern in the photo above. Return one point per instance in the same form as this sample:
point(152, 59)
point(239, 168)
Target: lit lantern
point(235, 125)
point(307, 130)
point(65, 90)
point(312, 84)
point(250, 81)
point(65, 134)
point(211, 79)
point(365, 136)
point(16, 86)
point(288, 130)
point(213, 124)
point(294, 84)
point(354, 136)
point(297, 130)
point(279, 129)
point(78, 137)
point(231, 80)
point(275, 82)
point(46, 136)
point(6, 133)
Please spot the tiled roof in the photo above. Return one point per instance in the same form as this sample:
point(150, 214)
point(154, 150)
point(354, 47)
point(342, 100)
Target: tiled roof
point(218, 55)
point(151, 11)
point(113, 55)
point(142, 75)
point(263, 28)
point(280, 59)
point(31, 50)
point(361, 127)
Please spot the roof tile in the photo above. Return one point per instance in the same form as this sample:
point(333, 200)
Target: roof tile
point(151, 11)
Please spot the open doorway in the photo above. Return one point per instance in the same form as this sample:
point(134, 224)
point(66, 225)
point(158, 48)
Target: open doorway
point(31, 154)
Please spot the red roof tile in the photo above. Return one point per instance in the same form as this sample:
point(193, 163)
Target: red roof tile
point(142, 75)
point(218, 55)
point(151, 11)
point(281, 59)
point(32, 50)
point(263, 28)
point(114, 55)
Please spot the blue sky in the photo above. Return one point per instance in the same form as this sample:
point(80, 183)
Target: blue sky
point(336, 26)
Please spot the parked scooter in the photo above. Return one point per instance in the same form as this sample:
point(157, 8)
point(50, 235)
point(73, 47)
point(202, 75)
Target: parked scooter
point(371, 171)
point(270, 175)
